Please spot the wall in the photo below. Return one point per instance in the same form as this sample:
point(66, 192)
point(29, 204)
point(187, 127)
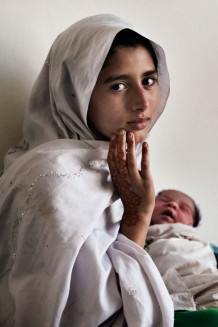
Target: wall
point(183, 142)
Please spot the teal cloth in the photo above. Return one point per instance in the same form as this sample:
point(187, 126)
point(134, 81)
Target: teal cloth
point(199, 318)
point(215, 251)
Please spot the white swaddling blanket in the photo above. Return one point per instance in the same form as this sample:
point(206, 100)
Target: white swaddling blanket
point(187, 265)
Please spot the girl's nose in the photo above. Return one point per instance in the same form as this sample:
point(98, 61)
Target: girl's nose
point(139, 101)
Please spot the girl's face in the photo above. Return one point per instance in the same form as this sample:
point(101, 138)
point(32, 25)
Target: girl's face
point(126, 94)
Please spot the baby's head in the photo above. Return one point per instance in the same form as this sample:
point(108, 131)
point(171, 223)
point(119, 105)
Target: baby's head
point(172, 206)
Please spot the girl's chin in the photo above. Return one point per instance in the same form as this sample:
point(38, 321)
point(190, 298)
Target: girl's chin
point(139, 137)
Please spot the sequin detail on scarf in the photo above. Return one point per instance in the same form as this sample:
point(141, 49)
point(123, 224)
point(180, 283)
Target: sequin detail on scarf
point(14, 230)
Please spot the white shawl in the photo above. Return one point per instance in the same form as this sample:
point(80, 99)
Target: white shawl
point(187, 265)
point(62, 261)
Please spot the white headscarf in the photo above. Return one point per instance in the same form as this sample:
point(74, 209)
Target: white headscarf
point(59, 100)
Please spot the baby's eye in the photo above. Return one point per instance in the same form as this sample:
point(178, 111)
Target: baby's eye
point(118, 87)
point(185, 209)
point(149, 81)
point(162, 199)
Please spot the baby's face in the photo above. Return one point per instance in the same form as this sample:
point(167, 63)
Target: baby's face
point(126, 94)
point(172, 206)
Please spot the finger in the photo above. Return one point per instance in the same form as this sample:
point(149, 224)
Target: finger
point(121, 152)
point(131, 156)
point(111, 158)
point(145, 160)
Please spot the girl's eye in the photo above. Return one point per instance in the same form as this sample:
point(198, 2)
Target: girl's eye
point(149, 81)
point(118, 87)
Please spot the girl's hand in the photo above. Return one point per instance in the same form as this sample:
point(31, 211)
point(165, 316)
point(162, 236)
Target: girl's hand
point(135, 187)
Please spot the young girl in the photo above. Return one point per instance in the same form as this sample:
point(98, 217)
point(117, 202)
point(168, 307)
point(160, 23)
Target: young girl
point(69, 255)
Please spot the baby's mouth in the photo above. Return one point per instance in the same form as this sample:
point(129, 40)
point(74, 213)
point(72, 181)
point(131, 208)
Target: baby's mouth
point(168, 213)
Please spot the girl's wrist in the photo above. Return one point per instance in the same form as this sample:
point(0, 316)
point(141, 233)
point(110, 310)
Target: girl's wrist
point(135, 227)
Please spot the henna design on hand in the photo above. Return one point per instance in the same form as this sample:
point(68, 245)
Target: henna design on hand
point(134, 187)
point(130, 199)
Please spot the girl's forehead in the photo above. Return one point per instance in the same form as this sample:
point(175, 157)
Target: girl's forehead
point(137, 58)
point(121, 51)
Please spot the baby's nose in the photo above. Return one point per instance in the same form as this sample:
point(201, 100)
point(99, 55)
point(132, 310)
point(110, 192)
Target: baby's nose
point(173, 204)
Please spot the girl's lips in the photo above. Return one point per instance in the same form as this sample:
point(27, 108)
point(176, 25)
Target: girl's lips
point(138, 124)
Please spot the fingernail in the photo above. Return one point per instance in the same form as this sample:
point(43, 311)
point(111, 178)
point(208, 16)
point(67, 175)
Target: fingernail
point(113, 137)
point(121, 132)
point(130, 136)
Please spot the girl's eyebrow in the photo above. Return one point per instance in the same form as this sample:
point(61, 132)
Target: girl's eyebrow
point(150, 72)
point(114, 78)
